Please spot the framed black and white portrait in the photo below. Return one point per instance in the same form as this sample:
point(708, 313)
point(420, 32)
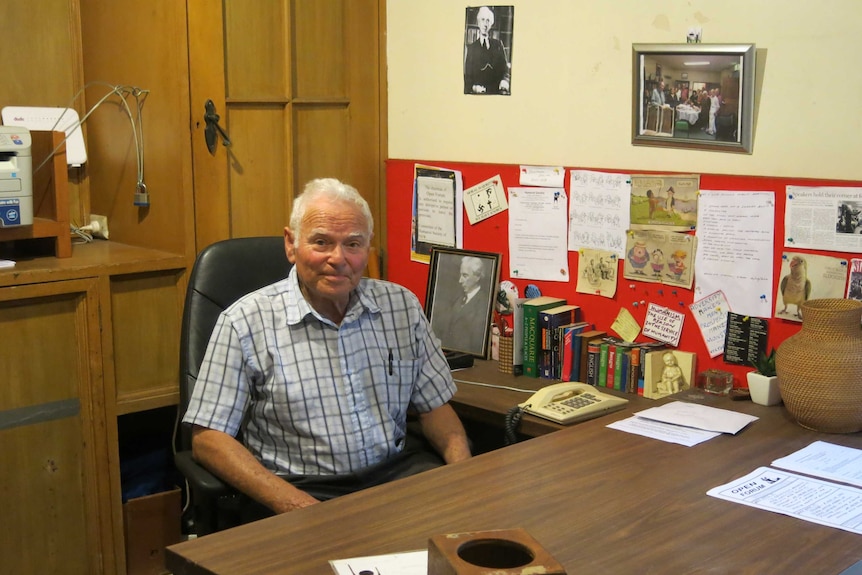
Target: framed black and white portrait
point(462, 286)
point(488, 42)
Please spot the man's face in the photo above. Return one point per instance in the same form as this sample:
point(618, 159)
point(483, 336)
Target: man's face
point(330, 253)
point(469, 277)
point(484, 20)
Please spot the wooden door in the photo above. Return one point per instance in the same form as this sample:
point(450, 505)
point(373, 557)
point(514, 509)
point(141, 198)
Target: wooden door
point(300, 91)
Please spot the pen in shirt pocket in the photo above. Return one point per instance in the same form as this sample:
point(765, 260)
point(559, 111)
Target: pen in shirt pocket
point(390, 361)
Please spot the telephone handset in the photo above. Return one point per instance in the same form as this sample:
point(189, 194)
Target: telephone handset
point(570, 402)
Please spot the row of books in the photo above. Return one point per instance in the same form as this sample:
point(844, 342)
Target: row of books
point(555, 342)
point(552, 332)
point(618, 364)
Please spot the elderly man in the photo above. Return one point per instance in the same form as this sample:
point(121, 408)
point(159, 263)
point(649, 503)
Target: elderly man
point(317, 372)
point(486, 67)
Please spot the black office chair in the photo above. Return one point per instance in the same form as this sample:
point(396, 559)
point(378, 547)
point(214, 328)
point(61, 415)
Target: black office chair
point(223, 272)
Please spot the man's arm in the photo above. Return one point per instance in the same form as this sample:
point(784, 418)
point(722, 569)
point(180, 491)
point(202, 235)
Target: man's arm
point(226, 457)
point(442, 428)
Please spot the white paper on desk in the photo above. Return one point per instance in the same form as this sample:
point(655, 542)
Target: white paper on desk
point(537, 234)
point(813, 500)
point(698, 416)
point(409, 563)
point(663, 431)
point(826, 460)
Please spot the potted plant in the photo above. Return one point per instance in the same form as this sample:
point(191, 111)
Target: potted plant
point(763, 383)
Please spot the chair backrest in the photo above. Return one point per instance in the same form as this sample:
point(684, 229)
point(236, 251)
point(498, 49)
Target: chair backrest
point(222, 273)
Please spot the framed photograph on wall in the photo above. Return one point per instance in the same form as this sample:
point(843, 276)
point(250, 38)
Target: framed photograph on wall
point(462, 286)
point(701, 96)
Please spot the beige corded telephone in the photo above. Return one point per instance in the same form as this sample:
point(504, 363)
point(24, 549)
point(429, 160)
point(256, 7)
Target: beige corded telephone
point(570, 402)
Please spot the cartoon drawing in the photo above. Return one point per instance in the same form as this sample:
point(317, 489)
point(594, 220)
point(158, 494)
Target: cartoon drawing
point(657, 262)
point(677, 265)
point(638, 257)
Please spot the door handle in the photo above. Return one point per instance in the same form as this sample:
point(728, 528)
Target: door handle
point(212, 129)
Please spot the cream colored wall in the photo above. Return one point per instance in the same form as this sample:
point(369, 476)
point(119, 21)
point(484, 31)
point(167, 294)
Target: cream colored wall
point(571, 96)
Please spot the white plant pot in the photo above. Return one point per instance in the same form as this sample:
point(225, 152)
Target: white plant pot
point(764, 390)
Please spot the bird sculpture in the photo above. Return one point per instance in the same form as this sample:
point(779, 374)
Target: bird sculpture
point(795, 286)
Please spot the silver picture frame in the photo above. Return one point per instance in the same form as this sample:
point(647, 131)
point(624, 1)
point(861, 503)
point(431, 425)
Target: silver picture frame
point(676, 114)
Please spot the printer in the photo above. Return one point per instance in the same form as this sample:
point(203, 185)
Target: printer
point(16, 177)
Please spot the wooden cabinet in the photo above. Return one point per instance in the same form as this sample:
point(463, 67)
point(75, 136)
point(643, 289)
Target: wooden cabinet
point(85, 340)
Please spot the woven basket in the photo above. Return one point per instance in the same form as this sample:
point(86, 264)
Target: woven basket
point(820, 367)
point(506, 355)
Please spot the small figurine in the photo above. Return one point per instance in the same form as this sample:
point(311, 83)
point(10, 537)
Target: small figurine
point(671, 380)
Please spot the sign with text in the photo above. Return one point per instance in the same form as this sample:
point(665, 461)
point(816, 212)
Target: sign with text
point(663, 324)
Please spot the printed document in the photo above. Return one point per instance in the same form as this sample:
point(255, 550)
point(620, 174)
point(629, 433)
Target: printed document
point(410, 563)
point(826, 460)
point(814, 500)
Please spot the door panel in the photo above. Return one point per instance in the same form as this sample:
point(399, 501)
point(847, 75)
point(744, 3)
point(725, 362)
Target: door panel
point(258, 176)
point(297, 84)
point(320, 141)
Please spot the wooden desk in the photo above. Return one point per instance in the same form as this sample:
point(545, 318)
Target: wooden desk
point(599, 500)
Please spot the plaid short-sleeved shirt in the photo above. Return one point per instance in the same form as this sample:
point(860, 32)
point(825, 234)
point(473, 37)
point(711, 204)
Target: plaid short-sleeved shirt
point(314, 398)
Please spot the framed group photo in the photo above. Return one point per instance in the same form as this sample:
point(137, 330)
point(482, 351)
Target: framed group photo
point(697, 96)
point(459, 302)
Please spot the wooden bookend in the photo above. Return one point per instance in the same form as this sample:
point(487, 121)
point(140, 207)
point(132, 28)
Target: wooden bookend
point(501, 552)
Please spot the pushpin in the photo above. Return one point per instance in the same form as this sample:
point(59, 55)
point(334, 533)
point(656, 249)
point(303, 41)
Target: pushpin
point(631, 286)
point(642, 302)
point(661, 292)
point(673, 292)
point(634, 304)
point(681, 304)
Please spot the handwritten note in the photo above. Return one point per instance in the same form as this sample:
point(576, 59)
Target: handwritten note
point(663, 324)
point(710, 313)
point(626, 325)
point(734, 249)
point(546, 176)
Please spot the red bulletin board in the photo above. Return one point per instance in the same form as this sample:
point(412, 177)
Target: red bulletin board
point(491, 235)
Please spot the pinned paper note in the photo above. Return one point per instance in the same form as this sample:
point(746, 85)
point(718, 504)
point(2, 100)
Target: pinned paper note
point(626, 325)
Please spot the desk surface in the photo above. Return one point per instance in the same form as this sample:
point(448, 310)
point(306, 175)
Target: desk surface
point(599, 500)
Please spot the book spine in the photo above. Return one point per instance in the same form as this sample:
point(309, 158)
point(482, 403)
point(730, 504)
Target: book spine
point(531, 341)
point(602, 378)
point(575, 353)
point(518, 337)
point(612, 364)
point(634, 370)
point(566, 345)
point(593, 353)
point(621, 376)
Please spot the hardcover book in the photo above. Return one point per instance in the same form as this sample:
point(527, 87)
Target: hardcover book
point(518, 336)
point(532, 332)
point(586, 336)
point(593, 352)
point(602, 379)
point(570, 351)
point(550, 321)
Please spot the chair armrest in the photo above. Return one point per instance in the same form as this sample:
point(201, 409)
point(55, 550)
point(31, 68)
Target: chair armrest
point(202, 481)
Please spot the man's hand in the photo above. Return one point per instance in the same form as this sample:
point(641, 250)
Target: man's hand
point(477, 89)
point(504, 86)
